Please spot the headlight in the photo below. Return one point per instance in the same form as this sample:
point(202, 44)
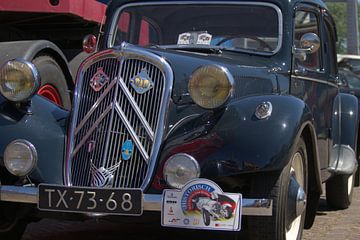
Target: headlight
point(20, 157)
point(211, 86)
point(179, 169)
point(19, 80)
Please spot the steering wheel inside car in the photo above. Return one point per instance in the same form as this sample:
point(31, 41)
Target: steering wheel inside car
point(263, 45)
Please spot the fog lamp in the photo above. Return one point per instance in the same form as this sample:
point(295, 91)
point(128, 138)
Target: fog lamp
point(20, 157)
point(19, 80)
point(211, 86)
point(179, 169)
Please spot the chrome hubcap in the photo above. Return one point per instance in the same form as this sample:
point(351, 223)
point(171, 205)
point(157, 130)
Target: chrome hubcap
point(297, 172)
point(350, 184)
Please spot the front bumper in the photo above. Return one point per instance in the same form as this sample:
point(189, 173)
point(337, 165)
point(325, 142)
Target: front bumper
point(151, 202)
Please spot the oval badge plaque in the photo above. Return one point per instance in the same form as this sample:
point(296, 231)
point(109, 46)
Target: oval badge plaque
point(127, 150)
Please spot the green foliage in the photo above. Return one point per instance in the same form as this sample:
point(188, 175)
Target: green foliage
point(338, 11)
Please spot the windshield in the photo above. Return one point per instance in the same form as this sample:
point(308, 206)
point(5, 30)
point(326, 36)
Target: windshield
point(236, 27)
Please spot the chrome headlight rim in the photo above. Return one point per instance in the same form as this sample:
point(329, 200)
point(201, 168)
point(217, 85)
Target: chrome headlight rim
point(34, 155)
point(191, 159)
point(229, 77)
point(35, 76)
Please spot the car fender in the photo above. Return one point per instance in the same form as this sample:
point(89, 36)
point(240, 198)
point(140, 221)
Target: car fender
point(234, 141)
point(44, 125)
point(344, 131)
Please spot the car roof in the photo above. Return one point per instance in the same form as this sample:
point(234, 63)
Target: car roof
point(281, 3)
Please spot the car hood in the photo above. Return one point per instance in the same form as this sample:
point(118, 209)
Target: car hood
point(253, 75)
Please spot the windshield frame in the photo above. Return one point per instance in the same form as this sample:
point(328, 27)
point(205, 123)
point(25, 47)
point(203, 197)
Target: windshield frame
point(112, 30)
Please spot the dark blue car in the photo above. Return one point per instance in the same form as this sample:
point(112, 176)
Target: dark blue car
point(244, 94)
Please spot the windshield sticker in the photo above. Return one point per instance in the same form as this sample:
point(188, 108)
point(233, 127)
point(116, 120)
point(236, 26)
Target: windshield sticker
point(184, 39)
point(201, 204)
point(204, 39)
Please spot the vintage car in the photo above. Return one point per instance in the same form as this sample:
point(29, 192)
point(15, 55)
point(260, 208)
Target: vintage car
point(214, 208)
point(241, 93)
point(350, 83)
point(349, 61)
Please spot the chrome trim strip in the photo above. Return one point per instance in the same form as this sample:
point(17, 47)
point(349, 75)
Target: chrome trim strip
point(19, 194)
point(136, 109)
point(132, 132)
point(111, 34)
point(94, 107)
point(97, 122)
point(315, 80)
point(151, 202)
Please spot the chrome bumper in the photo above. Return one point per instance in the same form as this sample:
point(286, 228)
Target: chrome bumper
point(152, 202)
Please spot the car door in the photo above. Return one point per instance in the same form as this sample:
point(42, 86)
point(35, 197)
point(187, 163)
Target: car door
point(314, 75)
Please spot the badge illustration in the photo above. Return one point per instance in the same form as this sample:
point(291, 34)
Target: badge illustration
point(203, 205)
point(103, 177)
point(127, 150)
point(142, 82)
point(184, 39)
point(204, 39)
point(98, 81)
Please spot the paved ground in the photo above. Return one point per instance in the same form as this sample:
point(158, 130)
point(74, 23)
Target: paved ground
point(329, 225)
point(335, 225)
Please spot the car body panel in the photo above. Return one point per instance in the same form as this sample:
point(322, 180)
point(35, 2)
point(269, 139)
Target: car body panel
point(45, 128)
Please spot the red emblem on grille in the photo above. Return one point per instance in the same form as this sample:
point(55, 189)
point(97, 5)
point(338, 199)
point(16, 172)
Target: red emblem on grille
point(98, 81)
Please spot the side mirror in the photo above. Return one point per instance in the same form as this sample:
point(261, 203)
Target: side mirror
point(309, 42)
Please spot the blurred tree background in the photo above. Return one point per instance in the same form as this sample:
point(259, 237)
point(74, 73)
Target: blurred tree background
point(338, 11)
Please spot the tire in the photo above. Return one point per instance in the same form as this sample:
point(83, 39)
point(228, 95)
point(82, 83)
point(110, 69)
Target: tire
point(228, 211)
point(206, 217)
point(53, 82)
point(11, 228)
point(311, 209)
point(339, 191)
point(276, 187)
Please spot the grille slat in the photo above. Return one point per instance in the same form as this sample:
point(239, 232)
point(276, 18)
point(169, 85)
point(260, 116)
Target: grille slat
point(109, 117)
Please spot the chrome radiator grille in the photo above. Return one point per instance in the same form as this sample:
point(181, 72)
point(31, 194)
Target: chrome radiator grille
point(104, 120)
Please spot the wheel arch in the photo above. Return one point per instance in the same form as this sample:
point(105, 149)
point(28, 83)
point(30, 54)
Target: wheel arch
point(314, 176)
point(62, 63)
point(344, 131)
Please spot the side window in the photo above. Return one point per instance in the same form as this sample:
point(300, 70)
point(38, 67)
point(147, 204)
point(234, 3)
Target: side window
point(330, 47)
point(307, 22)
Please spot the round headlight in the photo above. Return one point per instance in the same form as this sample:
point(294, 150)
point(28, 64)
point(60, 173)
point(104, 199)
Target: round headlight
point(19, 80)
point(179, 169)
point(211, 86)
point(20, 157)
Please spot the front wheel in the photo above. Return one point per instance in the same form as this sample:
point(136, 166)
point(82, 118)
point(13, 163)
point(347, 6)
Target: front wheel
point(206, 217)
point(339, 191)
point(228, 212)
point(289, 207)
point(53, 82)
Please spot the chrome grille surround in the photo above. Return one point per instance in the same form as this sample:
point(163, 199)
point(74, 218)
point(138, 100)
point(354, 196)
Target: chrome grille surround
point(153, 129)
